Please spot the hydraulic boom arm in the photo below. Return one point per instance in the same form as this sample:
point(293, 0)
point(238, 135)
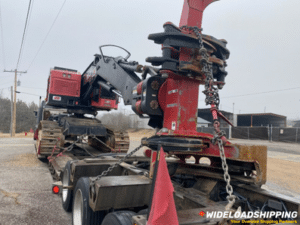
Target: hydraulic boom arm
point(113, 74)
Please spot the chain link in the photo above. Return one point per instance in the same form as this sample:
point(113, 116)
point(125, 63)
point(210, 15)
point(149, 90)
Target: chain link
point(67, 149)
point(212, 98)
point(211, 93)
point(229, 189)
point(109, 169)
point(95, 137)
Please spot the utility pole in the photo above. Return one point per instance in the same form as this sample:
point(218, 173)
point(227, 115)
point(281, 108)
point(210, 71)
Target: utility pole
point(11, 109)
point(15, 101)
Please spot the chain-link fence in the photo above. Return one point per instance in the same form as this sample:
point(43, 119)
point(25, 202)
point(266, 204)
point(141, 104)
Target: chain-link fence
point(285, 134)
point(288, 134)
point(250, 133)
point(210, 130)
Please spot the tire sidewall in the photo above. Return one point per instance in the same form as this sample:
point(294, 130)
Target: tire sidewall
point(83, 185)
point(119, 218)
point(67, 204)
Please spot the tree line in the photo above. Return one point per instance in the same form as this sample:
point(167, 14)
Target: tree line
point(116, 121)
point(25, 115)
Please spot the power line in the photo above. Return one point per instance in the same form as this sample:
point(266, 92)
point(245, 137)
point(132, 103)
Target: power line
point(25, 37)
point(4, 88)
point(6, 83)
point(32, 88)
point(1, 26)
point(28, 10)
point(265, 92)
point(4, 76)
point(47, 34)
point(30, 94)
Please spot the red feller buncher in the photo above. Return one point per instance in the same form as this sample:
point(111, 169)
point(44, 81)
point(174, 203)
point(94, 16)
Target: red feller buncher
point(104, 187)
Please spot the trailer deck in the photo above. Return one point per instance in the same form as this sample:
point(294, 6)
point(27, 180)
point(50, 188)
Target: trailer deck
point(128, 186)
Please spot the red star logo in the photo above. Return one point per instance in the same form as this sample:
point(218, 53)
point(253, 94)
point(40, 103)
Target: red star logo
point(201, 213)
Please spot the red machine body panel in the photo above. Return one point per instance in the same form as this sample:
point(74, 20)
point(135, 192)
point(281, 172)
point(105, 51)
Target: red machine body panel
point(64, 83)
point(63, 88)
point(105, 103)
point(177, 99)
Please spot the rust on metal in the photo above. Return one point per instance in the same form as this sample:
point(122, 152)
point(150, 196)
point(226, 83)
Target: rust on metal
point(258, 154)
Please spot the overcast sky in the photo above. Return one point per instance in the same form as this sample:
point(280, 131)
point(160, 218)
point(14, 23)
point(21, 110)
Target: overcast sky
point(262, 35)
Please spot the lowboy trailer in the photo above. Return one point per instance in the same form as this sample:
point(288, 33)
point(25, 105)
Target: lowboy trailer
point(114, 188)
point(123, 195)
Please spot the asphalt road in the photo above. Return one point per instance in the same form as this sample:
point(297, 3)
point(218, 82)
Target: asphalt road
point(25, 187)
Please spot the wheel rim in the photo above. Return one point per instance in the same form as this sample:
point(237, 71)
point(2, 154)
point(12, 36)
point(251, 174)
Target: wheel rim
point(78, 208)
point(65, 182)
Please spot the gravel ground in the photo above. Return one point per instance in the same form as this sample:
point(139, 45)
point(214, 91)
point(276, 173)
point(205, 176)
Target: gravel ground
point(25, 187)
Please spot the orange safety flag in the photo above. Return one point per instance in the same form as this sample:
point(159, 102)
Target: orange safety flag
point(163, 211)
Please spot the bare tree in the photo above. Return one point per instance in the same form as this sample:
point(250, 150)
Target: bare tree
point(5, 115)
point(25, 115)
point(116, 121)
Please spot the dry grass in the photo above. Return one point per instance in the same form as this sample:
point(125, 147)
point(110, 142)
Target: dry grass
point(19, 135)
point(137, 135)
point(284, 174)
point(24, 160)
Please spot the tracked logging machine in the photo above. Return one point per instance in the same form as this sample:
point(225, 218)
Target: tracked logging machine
point(120, 189)
point(60, 118)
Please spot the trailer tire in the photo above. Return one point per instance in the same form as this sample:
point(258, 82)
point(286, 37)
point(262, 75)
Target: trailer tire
point(82, 214)
point(67, 194)
point(119, 218)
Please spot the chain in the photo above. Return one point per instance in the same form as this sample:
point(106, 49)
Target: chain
point(211, 93)
point(229, 189)
point(69, 148)
point(212, 98)
point(109, 169)
point(103, 143)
